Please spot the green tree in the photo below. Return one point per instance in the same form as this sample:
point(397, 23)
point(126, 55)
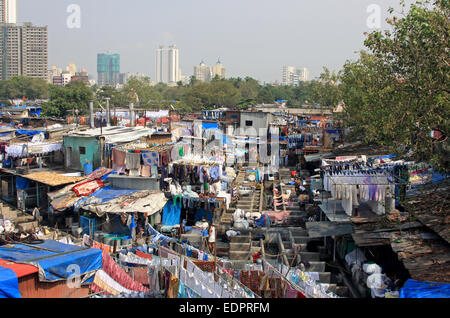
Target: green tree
point(398, 92)
point(75, 95)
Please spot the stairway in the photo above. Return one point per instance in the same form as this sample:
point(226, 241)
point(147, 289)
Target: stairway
point(21, 220)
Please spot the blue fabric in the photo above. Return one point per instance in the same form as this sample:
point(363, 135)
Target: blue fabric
point(158, 237)
point(22, 183)
point(261, 222)
point(201, 213)
point(333, 131)
point(416, 289)
point(109, 193)
point(88, 168)
point(55, 267)
point(214, 173)
point(28, 132)
point(171, 213)
point(210, 126)
point(9, 284)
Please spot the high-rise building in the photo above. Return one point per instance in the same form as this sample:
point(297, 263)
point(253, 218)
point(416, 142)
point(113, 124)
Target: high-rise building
point(294, 75)
point(11, 50)
point(218, 70)
point(168, 65)
point(24, 51)
point(8, 11)
point(203, 72)
point(34, 51)
point(108, 68)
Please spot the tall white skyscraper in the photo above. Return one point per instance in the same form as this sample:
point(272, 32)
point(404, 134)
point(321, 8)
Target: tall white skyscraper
point(168, 65)
point(294, 75)
point(8, 11)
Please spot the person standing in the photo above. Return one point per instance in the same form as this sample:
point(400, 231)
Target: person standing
point(212, 239)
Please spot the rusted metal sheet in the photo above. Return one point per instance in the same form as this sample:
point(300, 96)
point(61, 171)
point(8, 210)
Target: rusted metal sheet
point(31, 287)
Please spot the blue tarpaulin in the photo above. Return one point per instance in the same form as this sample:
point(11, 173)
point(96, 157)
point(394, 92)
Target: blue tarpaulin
point(28, 132)
point(9, 284)
point(109, 193)
point(55, 260)
point(333, 131)
point(417, 289)
point(201, 213)
point(171, 213)
point(22, 183)
point(210, 126)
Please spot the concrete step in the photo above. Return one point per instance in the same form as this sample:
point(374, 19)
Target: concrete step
point(315, 266)
point(325, 277)
point(301, 246)
point(299, 231)
point(27, 226)
point(309, 256)
point(239, 246)
point(302, 239)
point(342, 291)
point(240, 239)
point(239, 255)
point(332, 288)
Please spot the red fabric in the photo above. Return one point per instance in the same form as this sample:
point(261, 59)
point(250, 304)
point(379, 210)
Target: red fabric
point(119, 275)
point(140, 275)
point(88, 187)
point(144, 255)
point(21, 270)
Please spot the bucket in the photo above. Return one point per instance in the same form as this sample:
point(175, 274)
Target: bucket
point(293, 173)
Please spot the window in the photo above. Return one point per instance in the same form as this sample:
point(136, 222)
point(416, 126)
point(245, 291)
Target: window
point(82, 150)
point(249, 123)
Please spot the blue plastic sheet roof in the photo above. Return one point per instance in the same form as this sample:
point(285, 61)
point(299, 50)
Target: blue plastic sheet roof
point(28, 132)
point(54, 259)
point(417, 289)
point(9, 284)
point(210, 126)
point(109, 193)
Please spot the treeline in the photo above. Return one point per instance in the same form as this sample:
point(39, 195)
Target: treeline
point(233, 92)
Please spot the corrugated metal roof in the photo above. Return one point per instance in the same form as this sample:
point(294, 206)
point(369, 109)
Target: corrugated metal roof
point(115, 134)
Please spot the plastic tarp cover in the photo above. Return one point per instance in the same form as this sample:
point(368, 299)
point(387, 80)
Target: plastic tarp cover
point(28, 132)
point(201, 213)
point(52, 264)
point(22, 183)
point(9, 284)
point(109, 193)
point(417, 289)
point(171, 213)
point(210, 126)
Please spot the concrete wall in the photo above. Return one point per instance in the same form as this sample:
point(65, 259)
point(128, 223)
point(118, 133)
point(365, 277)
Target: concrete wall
point(78, 160)
point(258, 119)
point(134, 183)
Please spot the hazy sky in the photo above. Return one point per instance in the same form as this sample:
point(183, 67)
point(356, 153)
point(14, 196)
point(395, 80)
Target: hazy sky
point(252, 37)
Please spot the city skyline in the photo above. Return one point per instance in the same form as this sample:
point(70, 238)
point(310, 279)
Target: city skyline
point(314, 35)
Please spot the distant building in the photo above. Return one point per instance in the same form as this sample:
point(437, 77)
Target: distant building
point(124, 77)
point(8, 11)
point(24, 51)
point(206, 73)
point(168, 65)
point(82, 76)
point(202, 72)
point(72, 69)
point(218, 70)
point(294, 75)
point(108, 69)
